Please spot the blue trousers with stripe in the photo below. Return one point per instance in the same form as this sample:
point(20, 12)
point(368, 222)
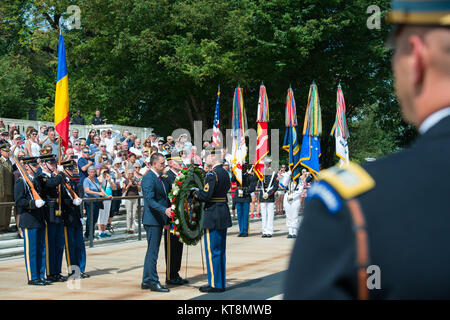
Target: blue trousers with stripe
point(55, 247)
point(215, 246)
point(242, 209)
point(75, 248)
point(34, 252)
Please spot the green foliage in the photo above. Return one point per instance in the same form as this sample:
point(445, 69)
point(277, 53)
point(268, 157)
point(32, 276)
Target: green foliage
point(158, 63)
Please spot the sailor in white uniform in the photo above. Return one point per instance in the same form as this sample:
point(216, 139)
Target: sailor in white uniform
point(291, 203)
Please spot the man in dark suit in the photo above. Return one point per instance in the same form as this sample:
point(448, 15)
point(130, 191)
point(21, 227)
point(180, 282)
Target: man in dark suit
point(156, 216)
point(173, 247)
point(382, 231)
point(216, 220)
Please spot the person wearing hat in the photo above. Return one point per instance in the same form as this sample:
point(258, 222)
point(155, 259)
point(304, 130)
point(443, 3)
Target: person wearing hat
point(242, 198)
point(378, 231)
point(267, 198)
point(6, 184)
point(73, 228)
point(173, 247)
point(48, 182)
point(216, 220)
point(32, 223)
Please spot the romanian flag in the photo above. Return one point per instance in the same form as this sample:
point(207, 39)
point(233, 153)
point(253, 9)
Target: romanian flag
point(262, 140)
point(312, 129)
point(239, 149)
point(62, 95)
point(291, 138)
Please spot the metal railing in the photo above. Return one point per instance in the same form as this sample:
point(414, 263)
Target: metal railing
point(91, 221)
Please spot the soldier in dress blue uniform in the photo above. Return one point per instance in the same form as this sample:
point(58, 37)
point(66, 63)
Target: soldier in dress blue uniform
point(172, 245)
point(216, 220)
point(73, 228)
point(47, 183)
point(242, 198)
point(32, 223)
point(381, 231)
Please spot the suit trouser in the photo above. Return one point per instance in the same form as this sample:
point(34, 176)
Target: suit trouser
point(267, 214)
point(34, 252)
point(154, 235)
point(292, 210)
point(173, 248)
point(54, 243)
point(242, 209)
point(215, 251)
point(75, 248)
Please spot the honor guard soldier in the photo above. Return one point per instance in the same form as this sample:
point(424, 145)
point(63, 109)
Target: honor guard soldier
point(216, 220)
point(172, 245)
point(267, 198)
point(48, 182)
point(291, 202)
point(6, 184)
point(242, 198)
point(32, 222)
point(382, 231)
point(73, 227)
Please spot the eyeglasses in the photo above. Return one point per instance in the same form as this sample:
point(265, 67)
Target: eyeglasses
point(85, 151)
point(76, 144)
point(102, 146)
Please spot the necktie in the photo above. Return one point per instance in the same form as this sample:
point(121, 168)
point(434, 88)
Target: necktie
point(159, 178)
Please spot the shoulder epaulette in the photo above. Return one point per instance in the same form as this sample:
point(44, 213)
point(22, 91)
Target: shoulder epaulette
point(338, 184)
point(349, 181)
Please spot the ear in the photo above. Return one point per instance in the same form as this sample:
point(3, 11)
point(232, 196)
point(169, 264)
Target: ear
point(417, 60)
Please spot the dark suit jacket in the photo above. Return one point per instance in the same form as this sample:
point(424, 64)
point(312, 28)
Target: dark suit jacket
point(408, 224)
point(155, 201)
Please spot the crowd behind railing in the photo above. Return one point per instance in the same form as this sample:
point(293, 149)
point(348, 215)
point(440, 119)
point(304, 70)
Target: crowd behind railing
point(115, 163)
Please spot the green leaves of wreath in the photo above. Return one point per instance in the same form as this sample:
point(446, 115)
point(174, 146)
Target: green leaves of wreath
point(186, 219)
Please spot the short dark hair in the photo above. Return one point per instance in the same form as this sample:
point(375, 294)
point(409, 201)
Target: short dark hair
point(155, 157)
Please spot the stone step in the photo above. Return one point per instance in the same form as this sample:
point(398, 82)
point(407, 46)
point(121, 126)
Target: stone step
point(14, 247)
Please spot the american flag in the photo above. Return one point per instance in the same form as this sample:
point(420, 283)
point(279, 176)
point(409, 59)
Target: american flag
point(216, 130)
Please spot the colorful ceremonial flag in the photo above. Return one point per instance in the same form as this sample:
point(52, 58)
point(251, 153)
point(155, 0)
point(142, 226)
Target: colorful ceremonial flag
point(239, 149)
point(62, 95)
point(340, 129)
point(216, 130)
point(291, 139)
point(262, 140)
point(312, 128)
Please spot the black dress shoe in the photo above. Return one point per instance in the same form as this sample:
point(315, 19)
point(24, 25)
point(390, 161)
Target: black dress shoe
point(84, 275)
point(145, 286)
point(208, 289)
point(268, 236)
point(46, 282)
point(177, 281)
point(240, 235)
point(36, 282)
point(264, 236)
point(289, 236)
point(57, 278)
point(158, 288)
point(244, 235)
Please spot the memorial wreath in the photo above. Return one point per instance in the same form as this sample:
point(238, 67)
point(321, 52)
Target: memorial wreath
point(187, 212)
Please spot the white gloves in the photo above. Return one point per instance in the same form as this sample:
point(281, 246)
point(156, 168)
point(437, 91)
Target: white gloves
point(39, 203)
point(82, 221)
point(77, 201)
point(60, 169)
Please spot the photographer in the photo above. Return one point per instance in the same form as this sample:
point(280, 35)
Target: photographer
point(131, 187)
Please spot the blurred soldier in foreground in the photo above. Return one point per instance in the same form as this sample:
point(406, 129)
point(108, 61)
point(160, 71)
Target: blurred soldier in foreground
point(382, 232)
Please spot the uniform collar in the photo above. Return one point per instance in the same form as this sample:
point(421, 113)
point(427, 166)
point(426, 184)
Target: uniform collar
point(47, 174)
point(433, 119)
point(216, 166)
point(176, 173)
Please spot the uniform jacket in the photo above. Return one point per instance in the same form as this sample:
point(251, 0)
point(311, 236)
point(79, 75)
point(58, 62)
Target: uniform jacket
point(273, 188)
point(47, 187)
point(155, 201)
point(247, 187)
point(30, 215)
point(407, 219)
point(217, 212)
point(70, 212)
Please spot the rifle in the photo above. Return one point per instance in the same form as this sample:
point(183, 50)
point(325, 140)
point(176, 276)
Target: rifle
point(24, 175)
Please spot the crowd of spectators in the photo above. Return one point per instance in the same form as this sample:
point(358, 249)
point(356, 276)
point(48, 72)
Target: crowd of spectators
point(113, 163)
